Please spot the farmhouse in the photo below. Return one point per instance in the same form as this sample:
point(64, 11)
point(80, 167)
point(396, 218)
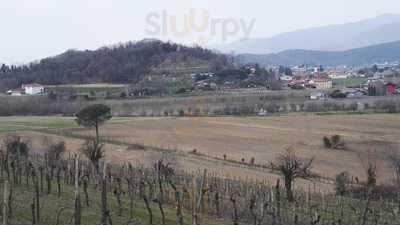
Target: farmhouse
point(27, 89)
point(33, 89)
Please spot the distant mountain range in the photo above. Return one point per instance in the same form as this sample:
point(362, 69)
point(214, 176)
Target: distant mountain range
point(377, 30)
point(361, 56)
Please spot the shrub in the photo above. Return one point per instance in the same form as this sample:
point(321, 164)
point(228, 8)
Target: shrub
point(341, 183)
point(337, 142)
point(371, 175)
point(16, 147)
point(252, 161)
point(334, 142)
point(94, 151)
point(123, 95)
point(327, 142)
point(337, 94)
point(55, 152)
point(181, 113)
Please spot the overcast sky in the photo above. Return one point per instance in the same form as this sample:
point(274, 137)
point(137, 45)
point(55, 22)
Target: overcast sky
point(33, 29)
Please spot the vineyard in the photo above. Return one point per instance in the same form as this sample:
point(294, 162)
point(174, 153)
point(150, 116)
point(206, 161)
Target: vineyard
point(44, 189)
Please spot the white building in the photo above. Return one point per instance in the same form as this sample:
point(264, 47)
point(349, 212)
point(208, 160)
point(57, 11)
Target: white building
point(286, 78)
point(33, 89)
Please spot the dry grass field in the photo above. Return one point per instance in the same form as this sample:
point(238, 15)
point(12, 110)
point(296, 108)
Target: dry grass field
point(369, 138)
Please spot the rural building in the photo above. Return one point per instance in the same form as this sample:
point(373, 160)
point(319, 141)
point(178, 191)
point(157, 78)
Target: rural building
point(33, 89)
point(391, 88)
point(322, 83)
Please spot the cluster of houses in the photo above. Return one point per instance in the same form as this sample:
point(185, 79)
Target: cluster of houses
point(315, 81)
point(380, 87)
point(27, 89)
point(380, 79)
point(372, 87)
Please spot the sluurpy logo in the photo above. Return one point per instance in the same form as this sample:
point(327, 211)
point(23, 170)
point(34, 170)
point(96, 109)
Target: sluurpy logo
point(198, 25)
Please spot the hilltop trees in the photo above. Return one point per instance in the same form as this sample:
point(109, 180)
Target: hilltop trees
point(123, 63)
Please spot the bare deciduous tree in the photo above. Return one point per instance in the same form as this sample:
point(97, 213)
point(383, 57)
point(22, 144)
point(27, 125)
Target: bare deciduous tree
point(291, 167)
point(394, 159)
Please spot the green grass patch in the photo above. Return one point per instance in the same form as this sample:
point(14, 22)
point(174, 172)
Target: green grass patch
point(87, 89)
point(349, 82)
point(13, 124)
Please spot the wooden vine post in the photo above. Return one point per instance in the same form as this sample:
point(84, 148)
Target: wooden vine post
point(5, 203)
point(77, 213)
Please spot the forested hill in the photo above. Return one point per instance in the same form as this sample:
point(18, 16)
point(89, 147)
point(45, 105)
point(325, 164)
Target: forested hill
point(123, 63)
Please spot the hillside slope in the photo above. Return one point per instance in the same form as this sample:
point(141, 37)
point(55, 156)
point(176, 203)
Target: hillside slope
point(123, 63)
point(361, 56)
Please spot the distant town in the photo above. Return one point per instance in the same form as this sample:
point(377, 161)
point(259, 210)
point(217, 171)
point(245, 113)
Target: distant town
point(377, 80)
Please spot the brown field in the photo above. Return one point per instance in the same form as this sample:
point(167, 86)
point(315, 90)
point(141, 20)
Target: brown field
point(369, 138)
